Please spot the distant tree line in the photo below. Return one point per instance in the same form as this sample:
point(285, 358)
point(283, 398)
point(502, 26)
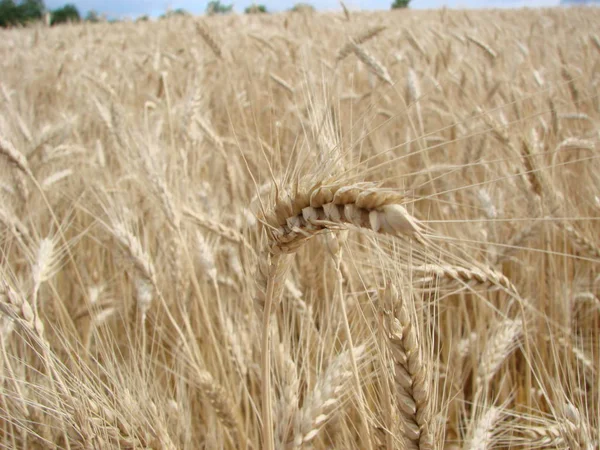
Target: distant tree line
point(216, 7)
point(400, 4)
point(22, 12)
point(14, 13)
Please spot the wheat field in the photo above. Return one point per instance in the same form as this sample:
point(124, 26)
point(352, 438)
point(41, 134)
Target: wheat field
point(346, 230)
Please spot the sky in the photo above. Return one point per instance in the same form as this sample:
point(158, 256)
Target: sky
point(154, 8)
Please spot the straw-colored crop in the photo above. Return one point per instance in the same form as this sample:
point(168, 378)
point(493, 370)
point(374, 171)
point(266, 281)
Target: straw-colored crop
point(340, 230)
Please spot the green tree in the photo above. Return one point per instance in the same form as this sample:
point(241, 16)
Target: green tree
point(303, 7)
point(31, 10)
point(400, 4)
point(20, 13)
point(9, 13)
point(256, 9)
point(67, 13)
point(216, 7)
point(174, 13)
point(92, 16)
point(178, 12)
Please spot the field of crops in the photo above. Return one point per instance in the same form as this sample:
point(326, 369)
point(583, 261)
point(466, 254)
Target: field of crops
point(340, 230)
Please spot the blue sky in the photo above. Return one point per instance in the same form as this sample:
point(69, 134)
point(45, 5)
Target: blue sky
point(134, 8)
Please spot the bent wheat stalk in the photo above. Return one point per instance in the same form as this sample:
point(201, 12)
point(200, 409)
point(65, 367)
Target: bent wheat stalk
point(275, 283)
point(297, 218)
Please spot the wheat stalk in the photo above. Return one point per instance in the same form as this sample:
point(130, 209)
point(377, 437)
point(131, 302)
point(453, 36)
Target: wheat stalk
point(278, 269)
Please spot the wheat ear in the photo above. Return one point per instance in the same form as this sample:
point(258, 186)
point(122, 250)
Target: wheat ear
point(218, 228)
point(411, 372)
point(210, 40)
point(296, 219)
point(13, 155)
point(502, 342)
point(346, 11)
point(482, 45)
point(358, 40)
point(287, 403)
point(319, 406)
point(15, 307)
point(369, 60)
point(464, 275)
point(334, 246)
point(217, 397)
point(580, 240)
point(483, 430)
